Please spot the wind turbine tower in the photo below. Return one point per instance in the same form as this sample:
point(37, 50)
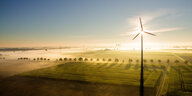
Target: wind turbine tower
point(141, 73)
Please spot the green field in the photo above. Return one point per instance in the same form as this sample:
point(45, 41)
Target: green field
point(180, 80)
point(124, 72)
point(113, 73)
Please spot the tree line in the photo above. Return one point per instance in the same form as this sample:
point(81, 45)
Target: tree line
point(2, 58)
point(99, 59)
point(116, 60)
point(35, 59)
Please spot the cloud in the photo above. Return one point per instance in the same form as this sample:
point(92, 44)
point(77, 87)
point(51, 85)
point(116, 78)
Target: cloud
point(153, 31)
point(148, 16)
point(167, 30)
point(128, 33)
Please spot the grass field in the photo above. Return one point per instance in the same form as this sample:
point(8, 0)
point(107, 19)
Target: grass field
point(161, 68)
point(112, 73)
point(180, 80)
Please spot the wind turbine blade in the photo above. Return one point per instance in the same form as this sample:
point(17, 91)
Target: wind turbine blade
point(150, 33)
point(136, 36)
point(141, 24)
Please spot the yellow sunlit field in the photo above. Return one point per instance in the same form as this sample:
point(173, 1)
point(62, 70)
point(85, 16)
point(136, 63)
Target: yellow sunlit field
point(166, 72)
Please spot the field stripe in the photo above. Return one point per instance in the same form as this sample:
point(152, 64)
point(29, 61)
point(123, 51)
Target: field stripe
point(159, 90)
point(180, 58)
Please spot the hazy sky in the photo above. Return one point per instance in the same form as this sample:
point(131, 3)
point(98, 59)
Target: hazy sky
point(26, 23)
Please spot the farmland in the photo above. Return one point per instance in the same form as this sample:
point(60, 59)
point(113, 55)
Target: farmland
point(165, 72)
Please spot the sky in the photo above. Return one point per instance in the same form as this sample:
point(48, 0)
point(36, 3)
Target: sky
point(41, 23)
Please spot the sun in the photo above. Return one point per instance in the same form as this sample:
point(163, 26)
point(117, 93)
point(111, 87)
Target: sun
point(142, 32)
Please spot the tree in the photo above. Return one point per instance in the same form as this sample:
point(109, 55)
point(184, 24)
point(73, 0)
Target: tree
point(130, 60)
point(116, 60)
point(91, 59)
point(151, 60)
point(159, 61)
point(123, 61)
point(34, 59)
point(80, 59)
point(38, 58)
point(65, 59)
point(103, 59)
point(144, 60)
point(48, 59)
point(75, 59)
point(45, 58)
point(137, 60)
point(176, 61)
point(168, 60)
point(41, 58)
point(97, 59)
point(186, 62)
point(85, 59)
point(70, 59)
point(109, 60)
point(60, 59)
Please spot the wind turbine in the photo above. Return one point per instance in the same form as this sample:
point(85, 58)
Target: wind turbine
point(141, 74)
